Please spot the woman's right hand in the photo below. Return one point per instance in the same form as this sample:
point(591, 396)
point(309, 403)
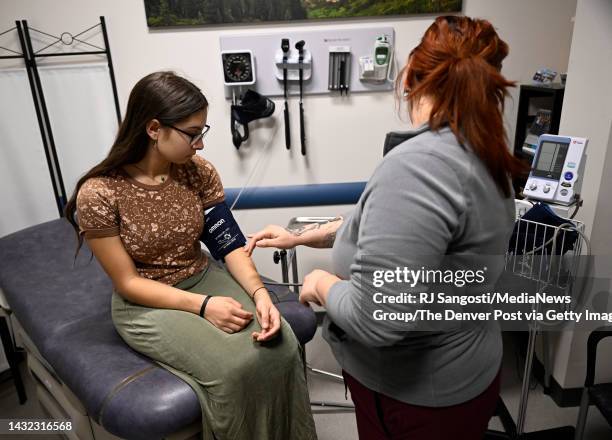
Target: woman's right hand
point(271, 236)
point(227, 314)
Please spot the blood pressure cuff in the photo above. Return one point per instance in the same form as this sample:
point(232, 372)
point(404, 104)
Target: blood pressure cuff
point(221, 233)
point(531, 237)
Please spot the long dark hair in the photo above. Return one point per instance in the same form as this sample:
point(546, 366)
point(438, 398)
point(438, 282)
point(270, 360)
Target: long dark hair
point(164, 96)
point(458, 66)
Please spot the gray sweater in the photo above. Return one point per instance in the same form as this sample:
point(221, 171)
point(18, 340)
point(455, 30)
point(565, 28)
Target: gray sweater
point(428, 197)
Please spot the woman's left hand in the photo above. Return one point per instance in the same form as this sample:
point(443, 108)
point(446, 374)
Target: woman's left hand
point(267, 315)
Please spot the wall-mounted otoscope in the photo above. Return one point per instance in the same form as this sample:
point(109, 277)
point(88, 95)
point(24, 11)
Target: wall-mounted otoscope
point(285, 49)
point(300, 47)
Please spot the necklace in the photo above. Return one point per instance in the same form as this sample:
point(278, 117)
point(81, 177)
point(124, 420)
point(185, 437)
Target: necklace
point(162, 178)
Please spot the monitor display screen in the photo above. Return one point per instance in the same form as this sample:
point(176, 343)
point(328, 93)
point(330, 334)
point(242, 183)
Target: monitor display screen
point(550, 160)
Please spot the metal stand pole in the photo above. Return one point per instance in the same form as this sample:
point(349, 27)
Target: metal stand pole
point(282, 258)
point(52, 153)
point(546, 360)
point(294, 270)
point(111, 70)
point(522, 412)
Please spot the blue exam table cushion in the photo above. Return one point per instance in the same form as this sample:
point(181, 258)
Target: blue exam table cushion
point(65, 309)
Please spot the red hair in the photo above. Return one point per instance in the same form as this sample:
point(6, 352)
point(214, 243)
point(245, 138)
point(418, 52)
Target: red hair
point(457, 66)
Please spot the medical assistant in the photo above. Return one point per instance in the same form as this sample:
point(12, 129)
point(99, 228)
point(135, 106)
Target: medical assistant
point(429, 196)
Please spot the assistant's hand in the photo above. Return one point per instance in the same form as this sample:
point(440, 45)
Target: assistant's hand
point(271, 236)
point(227, 314)
point(267, 315)
point(315, 287)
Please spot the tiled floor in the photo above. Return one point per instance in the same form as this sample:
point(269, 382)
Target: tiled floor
point(334, 425)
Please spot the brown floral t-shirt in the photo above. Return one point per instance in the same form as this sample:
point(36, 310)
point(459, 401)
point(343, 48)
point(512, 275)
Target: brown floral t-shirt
point(159, 225)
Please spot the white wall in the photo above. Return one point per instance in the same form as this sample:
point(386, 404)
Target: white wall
point(348, 132)
point(587, 112)
point(81, 110)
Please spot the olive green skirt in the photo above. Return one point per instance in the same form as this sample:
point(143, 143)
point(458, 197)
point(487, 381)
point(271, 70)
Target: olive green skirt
point(247, 390)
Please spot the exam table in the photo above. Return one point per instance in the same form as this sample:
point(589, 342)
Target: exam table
point(59, 311)
point(83, 369)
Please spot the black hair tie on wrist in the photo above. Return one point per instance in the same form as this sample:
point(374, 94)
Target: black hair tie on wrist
point(203, 308)
point(255, 291)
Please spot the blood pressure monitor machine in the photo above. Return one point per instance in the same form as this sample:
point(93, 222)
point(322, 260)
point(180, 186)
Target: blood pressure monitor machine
point(557, 169)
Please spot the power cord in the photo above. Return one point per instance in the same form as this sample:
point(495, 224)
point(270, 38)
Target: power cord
point(256, 167)
point(578, 205)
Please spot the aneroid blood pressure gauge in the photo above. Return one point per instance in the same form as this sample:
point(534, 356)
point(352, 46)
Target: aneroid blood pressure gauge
point(238, 67)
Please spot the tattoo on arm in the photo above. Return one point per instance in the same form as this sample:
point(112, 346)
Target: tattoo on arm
point(329, 237)
point(297, 231)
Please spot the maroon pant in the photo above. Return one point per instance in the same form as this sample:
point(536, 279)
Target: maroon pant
point(380, 417)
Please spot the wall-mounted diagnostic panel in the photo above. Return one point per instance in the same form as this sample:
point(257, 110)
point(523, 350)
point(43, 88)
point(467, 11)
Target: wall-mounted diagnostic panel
point(557, 169)
point(329, 61)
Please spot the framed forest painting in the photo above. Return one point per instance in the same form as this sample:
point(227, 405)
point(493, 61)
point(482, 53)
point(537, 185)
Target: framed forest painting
point(162, 13)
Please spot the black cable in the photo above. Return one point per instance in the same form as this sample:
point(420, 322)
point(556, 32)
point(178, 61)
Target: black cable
point(578, 205)
point(273, 283)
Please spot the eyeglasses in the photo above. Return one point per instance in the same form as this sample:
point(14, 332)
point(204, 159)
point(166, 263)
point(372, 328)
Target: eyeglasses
point(193, 138)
